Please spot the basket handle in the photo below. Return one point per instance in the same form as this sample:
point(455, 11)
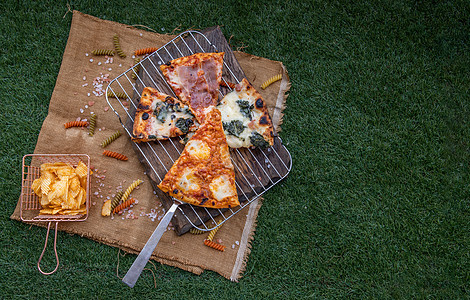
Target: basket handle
point(55, 250)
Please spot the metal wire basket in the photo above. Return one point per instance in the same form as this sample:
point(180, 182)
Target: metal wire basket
point(30, 205)
point(256, 170)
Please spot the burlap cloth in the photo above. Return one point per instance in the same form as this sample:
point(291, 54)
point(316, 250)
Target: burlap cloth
point(73, 97)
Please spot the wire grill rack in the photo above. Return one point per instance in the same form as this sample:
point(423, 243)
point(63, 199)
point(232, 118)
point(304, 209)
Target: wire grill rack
point(256, 170)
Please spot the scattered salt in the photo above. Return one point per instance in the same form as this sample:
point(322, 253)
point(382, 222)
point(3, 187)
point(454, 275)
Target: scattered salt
point(91, 60)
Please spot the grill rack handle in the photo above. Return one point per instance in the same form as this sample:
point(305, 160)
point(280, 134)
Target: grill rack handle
point(44, 250)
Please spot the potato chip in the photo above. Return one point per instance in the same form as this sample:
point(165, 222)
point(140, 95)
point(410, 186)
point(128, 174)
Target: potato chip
point(36, 186)
point(81, 170)
point(106, 209)
point(46, 185)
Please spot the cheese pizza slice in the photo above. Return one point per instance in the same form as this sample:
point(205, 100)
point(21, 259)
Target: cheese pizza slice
point(203, 175)
point(196, 79)
point(245, 117)
point(160, 116)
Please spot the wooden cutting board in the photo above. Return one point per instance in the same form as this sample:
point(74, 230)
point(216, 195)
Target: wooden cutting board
point(255, 170)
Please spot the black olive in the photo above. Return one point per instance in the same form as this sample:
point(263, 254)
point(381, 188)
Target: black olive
point(145, 116)
point(203, 201)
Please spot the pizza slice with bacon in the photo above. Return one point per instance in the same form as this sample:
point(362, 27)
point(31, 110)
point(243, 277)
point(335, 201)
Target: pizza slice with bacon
point(196, 80)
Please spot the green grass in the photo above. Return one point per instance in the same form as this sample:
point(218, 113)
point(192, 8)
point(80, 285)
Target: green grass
point(377, 203)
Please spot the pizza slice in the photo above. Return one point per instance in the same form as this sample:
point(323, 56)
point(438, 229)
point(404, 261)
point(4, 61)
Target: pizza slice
point(196, 79)
point(160, 116)
point(245, 117)
point(204, 175)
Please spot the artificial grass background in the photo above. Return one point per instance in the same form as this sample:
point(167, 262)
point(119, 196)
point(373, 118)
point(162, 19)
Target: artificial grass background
point(377, 122)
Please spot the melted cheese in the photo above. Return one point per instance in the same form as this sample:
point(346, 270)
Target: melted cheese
point(230, 111)
point(221, 188)
point(188, 181)
point(198, 149)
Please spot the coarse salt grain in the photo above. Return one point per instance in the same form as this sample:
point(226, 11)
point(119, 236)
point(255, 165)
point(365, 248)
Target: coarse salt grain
point(86, 54)
point(91, 60)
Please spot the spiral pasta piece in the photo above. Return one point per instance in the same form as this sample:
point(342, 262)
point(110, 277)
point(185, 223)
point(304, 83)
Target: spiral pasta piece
point(145, 51)
point(120, 95)
point(115, 155)
point(214, 245)
point(130, 189)
point(116, 200)
point(92, 125)
point(102, 52)
point(210, 237)
point(196, 231)
point(123, 205)
point(136, 68)
point(76, 124)
point(117, 46)
point(111, 139)
point(271, 81)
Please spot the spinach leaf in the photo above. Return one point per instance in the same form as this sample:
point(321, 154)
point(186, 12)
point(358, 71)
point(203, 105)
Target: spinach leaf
point(258, 140)
point(234, 127)
point(245, 108)
point(184, 124)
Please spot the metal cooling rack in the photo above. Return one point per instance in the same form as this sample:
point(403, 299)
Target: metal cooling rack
point(256, 170)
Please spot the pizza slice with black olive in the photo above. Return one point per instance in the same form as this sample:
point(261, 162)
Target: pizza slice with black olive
point(160, 116)
point(203, 175)
point(245, 117)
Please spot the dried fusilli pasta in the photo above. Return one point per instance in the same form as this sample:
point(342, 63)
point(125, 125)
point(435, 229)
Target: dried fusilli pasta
point(123, 205)
point(145, 51)
point(214, 245)
point(196, 231)
point(76, 124)
point(117, 46)
point(102, 52)
point(119, 95)
point(136, 68)
point(116, 200)
point(92, 125)
point(271, 81)
point(130, 189)
point(210, 237)
point(111, 139)
point(115, 155)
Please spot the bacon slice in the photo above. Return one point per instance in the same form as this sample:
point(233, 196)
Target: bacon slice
point(196, 80)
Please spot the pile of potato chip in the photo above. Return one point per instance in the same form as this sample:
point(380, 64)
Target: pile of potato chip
point(61, 188)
